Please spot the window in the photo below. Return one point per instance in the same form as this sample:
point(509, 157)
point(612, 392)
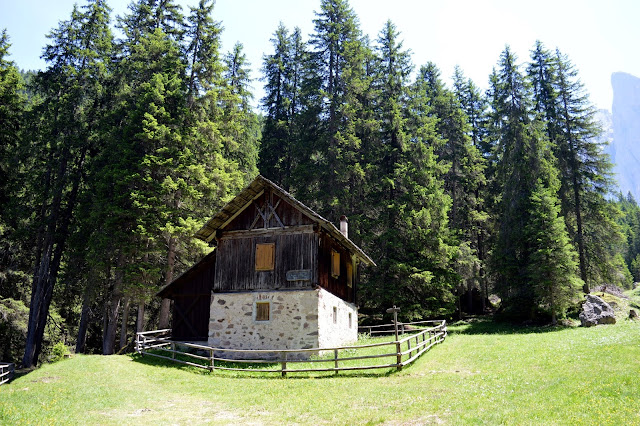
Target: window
point(262, 311)
point(335, 315)
point(335, 264)
point(349, 274)
point(265, 257)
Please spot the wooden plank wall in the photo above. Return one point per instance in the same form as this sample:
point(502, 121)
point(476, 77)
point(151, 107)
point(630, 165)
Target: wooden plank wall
point(289, 215)
point(191, 300)
point(337, 286)
point(235, 270)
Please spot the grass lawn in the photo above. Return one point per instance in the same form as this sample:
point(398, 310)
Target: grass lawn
point(482, 373)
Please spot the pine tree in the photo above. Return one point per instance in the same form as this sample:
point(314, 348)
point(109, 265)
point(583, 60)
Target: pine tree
point(465, 175)
point(339, 63)
point(524, 165)
point(13, 257)
point(182, 135)
point(146, 16)
point(585, 171)
point(71, 91)
point(474, 105)
point(406, 204)
point(286, 72)
point(552, 270)
point(205, 68)
point(240, 125)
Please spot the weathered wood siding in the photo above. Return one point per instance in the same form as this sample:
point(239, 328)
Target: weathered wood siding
point(288, 215)
point(191, 295)
point(335, 285)
point(236, 271)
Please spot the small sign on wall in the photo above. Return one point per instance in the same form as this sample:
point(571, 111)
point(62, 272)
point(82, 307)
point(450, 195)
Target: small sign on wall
point(299, 275)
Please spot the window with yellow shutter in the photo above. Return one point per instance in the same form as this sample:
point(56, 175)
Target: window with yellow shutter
point(265, 256)
point(349, 274)
point(262, 311)
point(335, 264)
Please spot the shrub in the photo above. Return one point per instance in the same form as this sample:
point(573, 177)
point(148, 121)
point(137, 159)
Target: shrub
point(58, 352)
point(14, 316)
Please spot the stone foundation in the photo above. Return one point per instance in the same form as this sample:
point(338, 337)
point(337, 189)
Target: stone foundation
point(300, 319)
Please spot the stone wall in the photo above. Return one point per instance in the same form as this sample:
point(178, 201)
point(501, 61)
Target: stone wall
point(292, 324)
point(298, 319)
point(337, 321)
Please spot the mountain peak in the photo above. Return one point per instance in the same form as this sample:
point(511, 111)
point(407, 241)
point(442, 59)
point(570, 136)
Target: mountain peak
point(626, 132)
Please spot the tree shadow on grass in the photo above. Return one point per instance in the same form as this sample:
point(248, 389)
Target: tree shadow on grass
point(489, 325)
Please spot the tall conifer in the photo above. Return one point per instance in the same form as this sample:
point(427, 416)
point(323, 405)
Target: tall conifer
point(585, 171)
point(524, 174)
point(71, 90)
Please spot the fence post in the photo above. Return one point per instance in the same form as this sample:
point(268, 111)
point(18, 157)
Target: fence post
point(284, 363)
point(211, 368)
point(335, 357)
point(173, 348)
point(398, 356)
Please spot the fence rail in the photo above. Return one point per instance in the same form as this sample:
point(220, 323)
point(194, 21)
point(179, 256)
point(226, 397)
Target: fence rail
point(403, 327)
point(7, 370)
point(157, 343)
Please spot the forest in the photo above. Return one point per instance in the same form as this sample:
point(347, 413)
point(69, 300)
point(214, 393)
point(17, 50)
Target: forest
point(140, 128)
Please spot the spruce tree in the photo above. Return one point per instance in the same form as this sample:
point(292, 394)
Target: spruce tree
point(240, 125)
point(14, 257)
point(585, 171)
point(339, 61)
point(286, 72)
point(474, 105)
point(553, 269)
point(524, 167)
point(406, 214)
point(71, 89)
point(465, 176)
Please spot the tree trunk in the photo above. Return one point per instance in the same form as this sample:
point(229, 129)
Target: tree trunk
point(84, 320)
point(166, 303)
point(125, 320)
point(470, 296)
point(48, 265)
point(113, 308)
point(140, 318)
point(576, 197)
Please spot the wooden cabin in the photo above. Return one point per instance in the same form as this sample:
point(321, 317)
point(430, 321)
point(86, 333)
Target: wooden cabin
point(280, 277)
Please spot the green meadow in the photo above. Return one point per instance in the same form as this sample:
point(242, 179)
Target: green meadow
point(484, 373)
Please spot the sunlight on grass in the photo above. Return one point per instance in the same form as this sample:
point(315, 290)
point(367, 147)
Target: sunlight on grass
point(482, 373)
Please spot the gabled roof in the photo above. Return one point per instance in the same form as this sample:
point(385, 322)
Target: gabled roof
point(255, 190)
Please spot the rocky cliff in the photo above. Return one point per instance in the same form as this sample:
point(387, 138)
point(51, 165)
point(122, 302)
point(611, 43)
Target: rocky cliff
point(625, 120)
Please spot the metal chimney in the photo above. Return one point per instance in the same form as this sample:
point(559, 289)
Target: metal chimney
point(344, 226)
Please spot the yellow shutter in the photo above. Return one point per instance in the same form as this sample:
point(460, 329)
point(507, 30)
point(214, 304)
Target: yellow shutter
point(262, 311)
point(265, 257)
point(335, 263)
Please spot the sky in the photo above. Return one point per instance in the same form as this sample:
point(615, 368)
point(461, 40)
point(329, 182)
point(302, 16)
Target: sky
point(600, 37)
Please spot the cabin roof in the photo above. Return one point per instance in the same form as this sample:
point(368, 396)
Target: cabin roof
point(168, 290)
point(255, 189)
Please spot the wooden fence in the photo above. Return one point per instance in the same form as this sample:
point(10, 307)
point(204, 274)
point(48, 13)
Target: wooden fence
point(403, 327)
point(398, 353)
point(7, 370)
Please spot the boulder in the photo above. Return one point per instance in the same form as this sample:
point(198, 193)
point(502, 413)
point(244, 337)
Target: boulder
point(596, 311)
